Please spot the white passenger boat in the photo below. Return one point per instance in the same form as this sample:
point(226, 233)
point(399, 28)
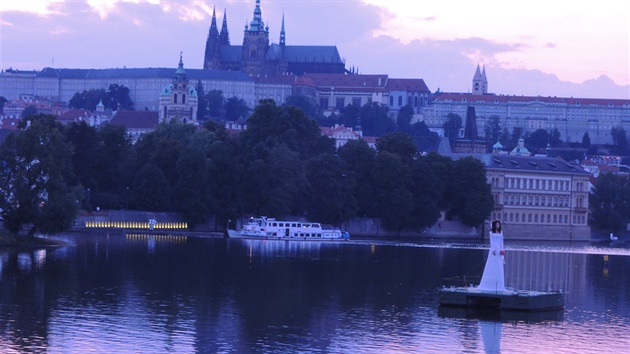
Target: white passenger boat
point(270, 228)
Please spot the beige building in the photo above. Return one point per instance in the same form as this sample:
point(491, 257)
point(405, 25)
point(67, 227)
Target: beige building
point(539, 198)
point(571, 116)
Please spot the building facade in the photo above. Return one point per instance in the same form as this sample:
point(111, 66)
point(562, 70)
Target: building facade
point(571, 116)
point(144, 84)
point(539, 198)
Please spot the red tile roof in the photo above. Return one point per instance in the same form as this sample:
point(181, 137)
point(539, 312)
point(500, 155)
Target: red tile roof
point(407, 85)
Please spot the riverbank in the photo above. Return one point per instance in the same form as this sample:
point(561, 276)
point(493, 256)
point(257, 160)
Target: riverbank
point(9, 240)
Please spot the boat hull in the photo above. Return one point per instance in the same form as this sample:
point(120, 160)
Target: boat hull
point(253, 236)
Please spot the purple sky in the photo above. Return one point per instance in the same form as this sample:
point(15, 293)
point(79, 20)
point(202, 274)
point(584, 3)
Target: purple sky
point(538, 48)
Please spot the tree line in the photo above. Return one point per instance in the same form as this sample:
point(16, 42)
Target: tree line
point(281, 165)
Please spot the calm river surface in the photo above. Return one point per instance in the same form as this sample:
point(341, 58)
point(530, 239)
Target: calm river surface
point(162, 294)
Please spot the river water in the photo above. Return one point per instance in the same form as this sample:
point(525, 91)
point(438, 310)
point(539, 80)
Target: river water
point(139, 293)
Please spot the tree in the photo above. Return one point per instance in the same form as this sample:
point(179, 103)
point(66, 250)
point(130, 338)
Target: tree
point(150, 190)
point(86, 144)
point(539, 139)
point(29, 111)
point(88, 99)
point(493, 131)
point(452, 126)
point(3, 101)
point(391, 181)
point(191, 190)
point(427, 190)
point(474, 201)
point(517, 133)
point(375, 120)
point(118, 98)
point(404, 117)
point(329, 190)
point(235, 108)
point(303, 102)
point(620, 140)
point(586, 140)
point(271, 125)
point(202, 101)
point(32, 186)
point(215, 101)
point(361, 159)
point(398, 143)
point(610, 203)
point(554, 137)
point(349, 116)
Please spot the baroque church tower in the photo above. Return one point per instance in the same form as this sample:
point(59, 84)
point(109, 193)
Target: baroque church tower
point(480, 82)
point(178, 100)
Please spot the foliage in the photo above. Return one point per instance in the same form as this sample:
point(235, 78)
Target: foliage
point(471, 200)
point(202, 101)
point(117, 97)
point(235, 108)
point(397, 143)
point(360, 159)
point(539, 139)
point(33, 191)
point(29, 111)
point(404, 117)
point(620, 140)
point(493, 131)
point(150, 190)
point(329, 190)
point(215, 101)
point(452, 126)
point(375, 120)
point(303, 102)
point(610, 203)
point(3, 101)
point(586, 140)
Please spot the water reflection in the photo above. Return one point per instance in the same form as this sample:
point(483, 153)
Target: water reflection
point(154, 293)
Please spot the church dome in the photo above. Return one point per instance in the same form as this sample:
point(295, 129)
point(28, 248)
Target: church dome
point(167, 90)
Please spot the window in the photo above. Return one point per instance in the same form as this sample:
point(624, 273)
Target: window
point(175, 98)
point(323, 102)
point(356, 102)
point(391, 100)
point(399, 100)
point(183, 98)
point(339, 103)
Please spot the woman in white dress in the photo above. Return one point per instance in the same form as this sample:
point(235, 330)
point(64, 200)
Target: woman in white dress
point(493, 278)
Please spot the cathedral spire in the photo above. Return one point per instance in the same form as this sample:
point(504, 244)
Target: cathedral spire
point(224, 36)
point(282, 34)
point(257, 24)
point(214, 30)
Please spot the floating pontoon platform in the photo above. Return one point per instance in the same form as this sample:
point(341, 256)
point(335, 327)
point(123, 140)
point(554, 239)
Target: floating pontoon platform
point(509, 299)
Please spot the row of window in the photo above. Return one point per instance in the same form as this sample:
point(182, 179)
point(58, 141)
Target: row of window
point(296, 234)
point(535, 183)
point(294, 224)
point(539, 218)
point(515, 199)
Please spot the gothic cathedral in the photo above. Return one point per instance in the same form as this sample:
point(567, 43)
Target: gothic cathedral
point(258, 57)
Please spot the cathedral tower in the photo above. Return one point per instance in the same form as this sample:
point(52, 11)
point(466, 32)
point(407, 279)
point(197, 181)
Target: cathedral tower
point(480, 82)
point(212, 57)
point(255, 44)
